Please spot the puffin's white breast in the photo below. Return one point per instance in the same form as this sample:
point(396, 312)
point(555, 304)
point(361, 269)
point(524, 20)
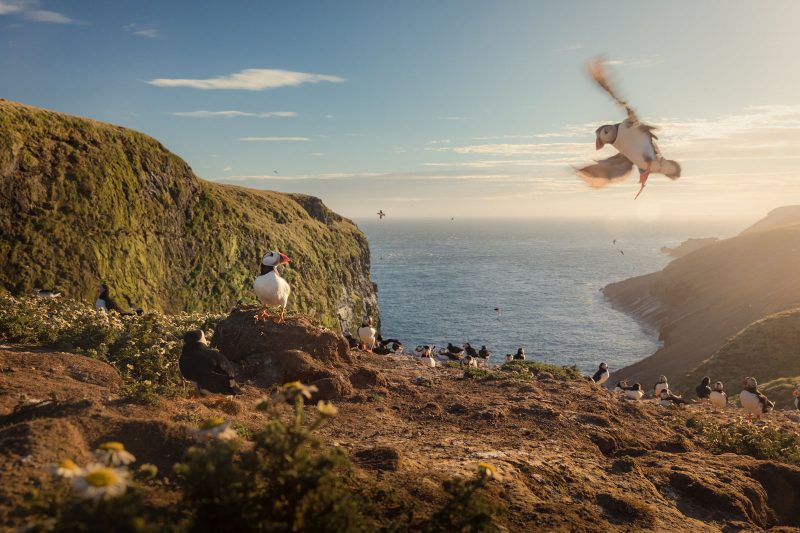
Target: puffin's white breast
point(603, 377)
point(634, 394)
point(272, 289)
point(718, 399)
point(367, 335)
point(100, 304)
point(750, 402)
point(634, 144)
point(659, 387)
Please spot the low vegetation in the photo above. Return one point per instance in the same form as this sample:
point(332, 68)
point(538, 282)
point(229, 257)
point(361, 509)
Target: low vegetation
point(144, 349)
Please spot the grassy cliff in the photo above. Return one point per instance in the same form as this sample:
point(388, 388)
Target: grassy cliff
point(83, 201)
point(768, 349)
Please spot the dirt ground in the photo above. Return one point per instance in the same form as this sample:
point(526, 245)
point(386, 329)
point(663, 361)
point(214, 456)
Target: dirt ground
point(570, 455)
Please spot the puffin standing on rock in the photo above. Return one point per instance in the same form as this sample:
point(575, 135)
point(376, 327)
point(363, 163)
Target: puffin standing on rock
point(206, 367)
point(470, 350)
point(660, 385)
point(270, 288)
point(520, 355)
point(753, 401)
point(602, 374)
point(704, 390)
point(455, 352)
point(367, 334)
point(634, 141)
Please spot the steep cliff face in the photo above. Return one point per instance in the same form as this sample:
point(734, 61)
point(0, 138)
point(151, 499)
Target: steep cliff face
point(83, 202)
point(701, 299)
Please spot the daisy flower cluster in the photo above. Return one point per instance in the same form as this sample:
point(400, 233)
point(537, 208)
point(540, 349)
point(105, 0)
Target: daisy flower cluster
point(105, 478)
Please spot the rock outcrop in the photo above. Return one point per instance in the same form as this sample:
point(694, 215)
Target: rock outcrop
point(83, 202)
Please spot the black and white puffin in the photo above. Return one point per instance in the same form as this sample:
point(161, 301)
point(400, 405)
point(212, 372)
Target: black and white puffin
point(621, 386)
point(46, 293)
point(602, 374)
point(660, 385)
point(351, 341)
point(634, 392)
point(270, 288)
point(455, 352)
point(796, 394)
point(509, 358)
point(469, 361)
point(718, 397)
point(666, 398)
point(470, 350)
point(520, 355)
point(483, 353)
point(367, 334)
point(386, 346)
point(105, 302)
point(206, 367)
point(753, 401)
point(704, 389)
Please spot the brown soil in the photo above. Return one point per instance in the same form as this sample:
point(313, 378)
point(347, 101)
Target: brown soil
point(570, 455)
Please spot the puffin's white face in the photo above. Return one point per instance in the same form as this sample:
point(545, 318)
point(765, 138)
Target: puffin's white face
point(274, 258)
point(605, 135)
point(603, 366)
point(750, 382)
point(718, 386)
point(662, 379)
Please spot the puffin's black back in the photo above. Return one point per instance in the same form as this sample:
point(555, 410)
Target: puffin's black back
point(206, 366)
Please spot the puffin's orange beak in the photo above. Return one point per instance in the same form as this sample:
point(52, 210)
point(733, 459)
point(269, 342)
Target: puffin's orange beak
point(284, 259)
point(599, 143)
point(796, 392)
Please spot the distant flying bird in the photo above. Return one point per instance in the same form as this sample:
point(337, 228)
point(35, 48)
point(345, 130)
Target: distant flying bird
point(275, 171)
point(381, 214)
point(497, 310)
point(614, 241)
point(634, 141)
point(270, 288)
point(620, 251)
point(452, 219)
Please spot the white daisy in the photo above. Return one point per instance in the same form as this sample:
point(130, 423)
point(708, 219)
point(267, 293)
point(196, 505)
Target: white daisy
point(66, 468)
point(114, 454)
point(101, 482)
point(214, 428)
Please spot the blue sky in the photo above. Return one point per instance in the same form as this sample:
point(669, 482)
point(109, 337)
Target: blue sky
point(432, 108)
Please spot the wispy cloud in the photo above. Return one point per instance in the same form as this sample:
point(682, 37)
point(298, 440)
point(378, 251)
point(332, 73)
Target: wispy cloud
point(252, 79)
point(232, 114)
point(275, 139)
point(452, 117)
point(227, 169)
point(316, 154)
point(439, 141)
point(150, 33)
point(29, 10)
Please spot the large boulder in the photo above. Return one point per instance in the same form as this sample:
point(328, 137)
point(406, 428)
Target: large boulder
point(270, 353)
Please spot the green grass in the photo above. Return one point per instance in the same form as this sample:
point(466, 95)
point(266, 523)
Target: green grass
point(768, 349)
point(86, 202)
point(535, 367)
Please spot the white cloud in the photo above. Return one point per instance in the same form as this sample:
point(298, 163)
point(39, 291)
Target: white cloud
point(452, 118)
point(28, 10)
point(227, 169)
point(252, 79)
point(232, 114)
point(440, 141)
point(523, 149)
point(150, 33)
point(316, 154)
point(275, 139)
point(569, 48)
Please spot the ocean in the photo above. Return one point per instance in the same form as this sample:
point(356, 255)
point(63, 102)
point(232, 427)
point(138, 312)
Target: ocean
point(440, 281)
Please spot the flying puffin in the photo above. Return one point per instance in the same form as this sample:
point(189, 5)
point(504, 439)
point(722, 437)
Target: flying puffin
point(470, 350)
point(601, 376)
point(718, 397)
point(381, 214)
point(634, 141)
point(634, 392)
point(704, 390)
point(455, 352)
point(753, 401)
point(208, 368)
point(667, 398)
point(796, 394)
point(520, 355)
point(367, 334)
point(270, 288)
point(660, 385)
point(105, 302)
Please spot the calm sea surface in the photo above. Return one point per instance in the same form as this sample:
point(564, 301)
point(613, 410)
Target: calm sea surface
point(439, 281)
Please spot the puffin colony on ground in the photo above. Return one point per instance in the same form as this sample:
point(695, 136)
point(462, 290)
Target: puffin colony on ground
point(206, 367)
point(270, 288)
point(634, 141)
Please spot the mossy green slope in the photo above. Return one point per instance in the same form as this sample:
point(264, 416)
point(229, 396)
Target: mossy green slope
point(768, 350)
point(83, 201)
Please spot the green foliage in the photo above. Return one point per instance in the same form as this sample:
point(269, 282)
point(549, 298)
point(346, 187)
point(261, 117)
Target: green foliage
point(144, 349)
point(86, 202)
point(744, 438)
point(465, 510)
point(284, 482)
point(566, 373)
point(476, 373)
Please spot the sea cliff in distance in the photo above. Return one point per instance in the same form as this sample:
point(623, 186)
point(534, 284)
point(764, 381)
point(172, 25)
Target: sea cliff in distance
point(701, 300)
point(83, 202)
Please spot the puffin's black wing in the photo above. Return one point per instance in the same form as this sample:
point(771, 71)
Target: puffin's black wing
point(615, 169)
point(597, 375)
point(208, 368)
point(220, 362)
point(111, 305)
point(598, 74)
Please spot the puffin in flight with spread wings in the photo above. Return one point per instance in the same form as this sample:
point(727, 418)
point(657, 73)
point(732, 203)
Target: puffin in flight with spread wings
point(634, 140)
